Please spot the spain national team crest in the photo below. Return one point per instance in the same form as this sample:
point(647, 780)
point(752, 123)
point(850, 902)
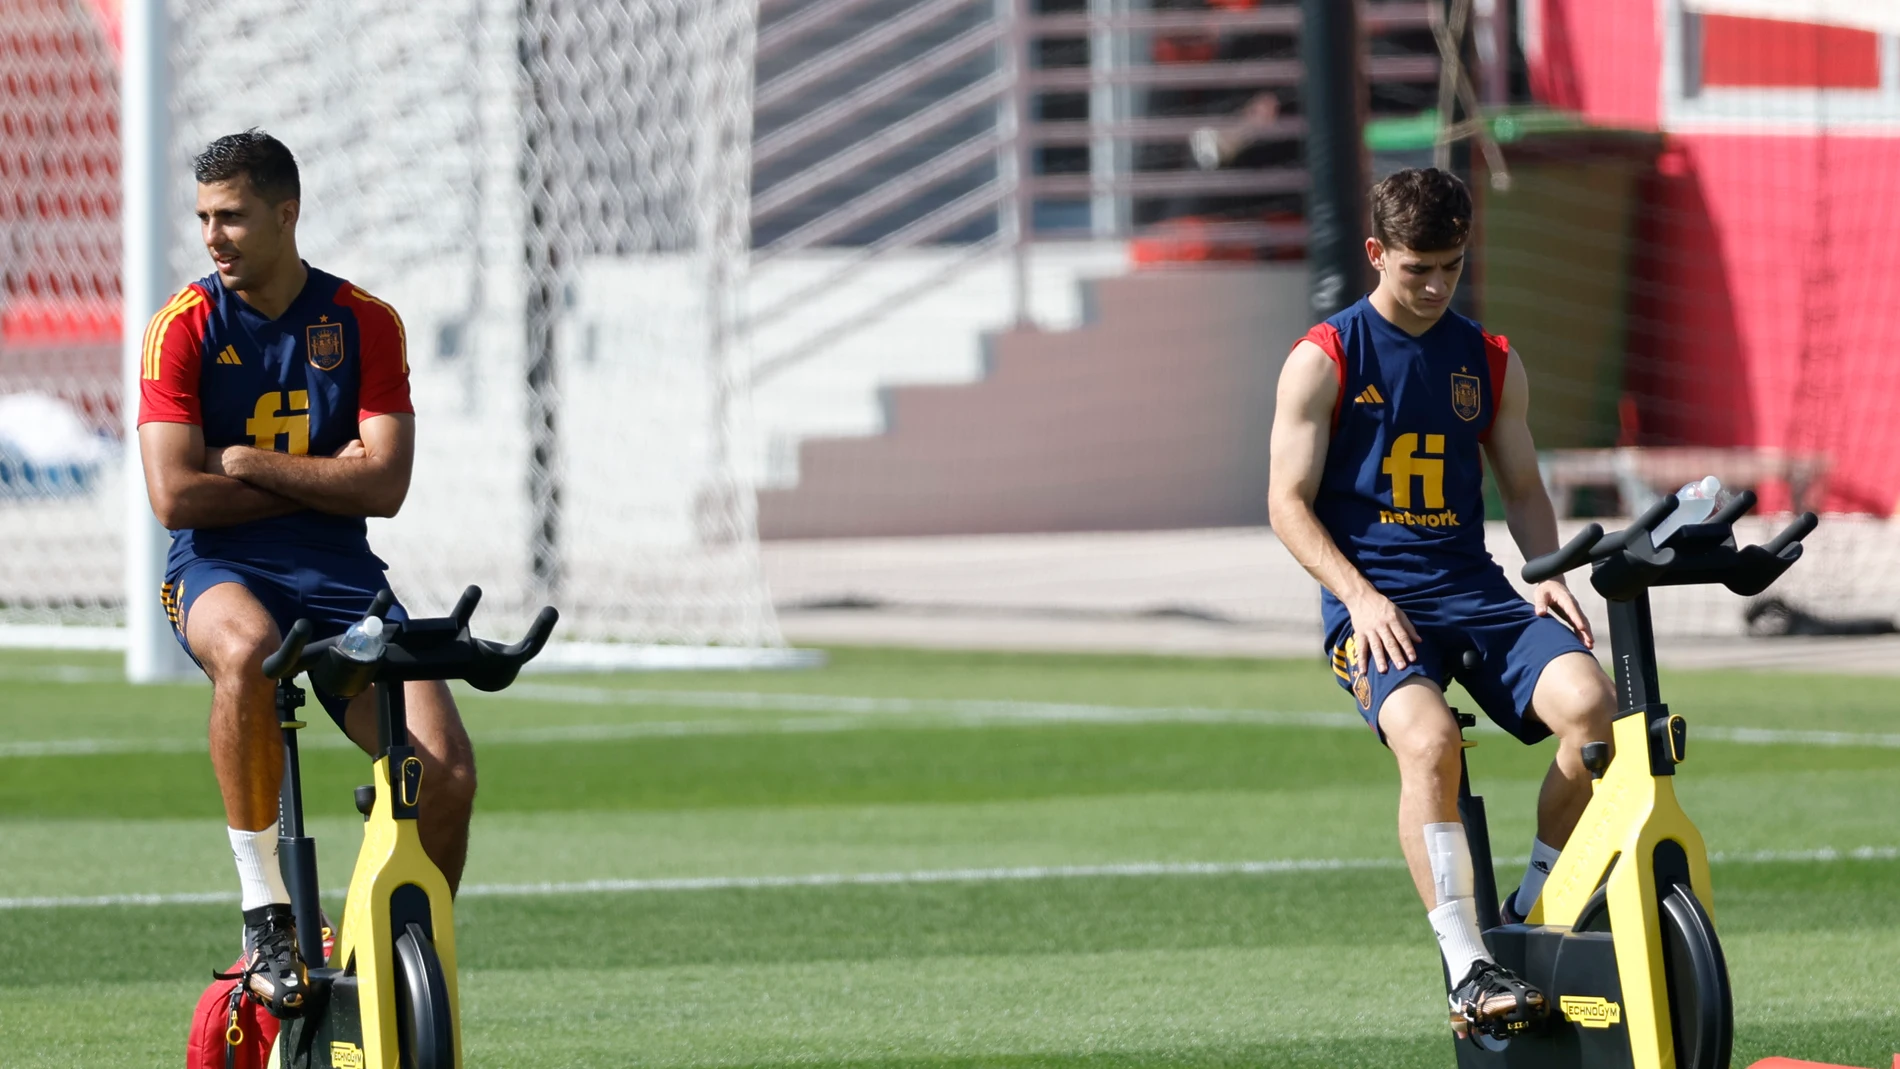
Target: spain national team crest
point(1465, 393)
point(323, 343)
point(1362, 690)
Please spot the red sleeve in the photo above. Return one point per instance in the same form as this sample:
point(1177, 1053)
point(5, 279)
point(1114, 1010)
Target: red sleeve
point(383, 387)
point(1497, 355)
point(1327, 338)
point(168, 373)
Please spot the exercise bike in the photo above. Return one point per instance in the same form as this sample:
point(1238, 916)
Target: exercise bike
point(386, 997)
point(1621, 940)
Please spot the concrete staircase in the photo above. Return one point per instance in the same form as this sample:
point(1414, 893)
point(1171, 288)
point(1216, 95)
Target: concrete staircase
point(1154, 414)
point(914, 327)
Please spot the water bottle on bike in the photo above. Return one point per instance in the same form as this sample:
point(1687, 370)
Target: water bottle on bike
point(364, 640)
point(1695, 502)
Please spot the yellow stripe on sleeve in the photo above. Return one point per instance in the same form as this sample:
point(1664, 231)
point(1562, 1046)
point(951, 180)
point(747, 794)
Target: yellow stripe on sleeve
point(402, 333)
point(155, 333)
point(145, 343)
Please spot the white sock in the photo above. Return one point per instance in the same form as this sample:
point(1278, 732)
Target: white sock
point(1543, 859)
point(1456, 925)
point(1455, 920)
point(256, 855)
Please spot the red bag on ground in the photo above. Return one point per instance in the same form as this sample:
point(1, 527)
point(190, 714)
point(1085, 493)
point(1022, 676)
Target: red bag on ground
point(229, 1030)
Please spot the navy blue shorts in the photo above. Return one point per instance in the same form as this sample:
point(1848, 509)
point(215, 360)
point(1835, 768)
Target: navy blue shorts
point(1513, 642)
point(330, 589)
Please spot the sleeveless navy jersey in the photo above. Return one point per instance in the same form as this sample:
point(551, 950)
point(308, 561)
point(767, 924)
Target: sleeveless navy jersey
point(298, 384)
point(1402, 491)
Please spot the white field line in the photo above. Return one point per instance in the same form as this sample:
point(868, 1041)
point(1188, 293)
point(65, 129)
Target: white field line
point(976, 712)
point(185, 898)
point(92, 747)
point(642, 729)
point(973, 710)
point(848, 713)
point(89, 747)
point(60, 673)
point(993, 712)
point(1777, 737)
point(878, 879)
point(931, 876)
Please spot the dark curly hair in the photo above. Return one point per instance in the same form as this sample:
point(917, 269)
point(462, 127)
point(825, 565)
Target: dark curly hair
point(1421, 208)
point(255, 155)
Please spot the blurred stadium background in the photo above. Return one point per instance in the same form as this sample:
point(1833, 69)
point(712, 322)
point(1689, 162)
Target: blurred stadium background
point(737, 326)
point(956, 321)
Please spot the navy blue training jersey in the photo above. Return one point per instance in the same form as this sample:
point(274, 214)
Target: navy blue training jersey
point(300, 383)
point(1402, 491)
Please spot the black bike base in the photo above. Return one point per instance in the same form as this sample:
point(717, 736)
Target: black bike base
point(1582, 965)
point(331, 1025)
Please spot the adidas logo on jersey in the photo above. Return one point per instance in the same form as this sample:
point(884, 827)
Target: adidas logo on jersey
point(229, 356)
point(1369, 396)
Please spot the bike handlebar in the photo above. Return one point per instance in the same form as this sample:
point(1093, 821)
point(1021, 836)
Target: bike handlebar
point(437, 648)
point(1574, 554)
point(1628, 562)
point(289, 652)
point(1792, 534)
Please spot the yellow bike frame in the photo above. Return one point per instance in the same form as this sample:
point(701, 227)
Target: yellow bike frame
point(1634, 858)
point(391, 859)
point(1631, 812)
point(396, 891)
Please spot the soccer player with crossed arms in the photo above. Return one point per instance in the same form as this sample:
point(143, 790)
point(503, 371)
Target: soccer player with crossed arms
point(1384, 414)
point(274, 416)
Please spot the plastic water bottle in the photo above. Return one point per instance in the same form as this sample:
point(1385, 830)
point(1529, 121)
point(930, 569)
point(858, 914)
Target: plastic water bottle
point(1695, 502)
point(363, 641)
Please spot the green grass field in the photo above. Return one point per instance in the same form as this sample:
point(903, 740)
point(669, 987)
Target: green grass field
point(1023, 830)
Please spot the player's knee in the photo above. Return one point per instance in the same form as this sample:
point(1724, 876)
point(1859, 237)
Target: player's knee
point(462, 780)
point(455, 782)
point(453, 799)
point(1581, 707)
point(1440, 753)
point(1596, 719)
point(1424, 745)
point(233, 653)
point(437, 727)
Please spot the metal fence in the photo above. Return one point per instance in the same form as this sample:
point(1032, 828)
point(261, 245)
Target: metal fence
point(991, 125)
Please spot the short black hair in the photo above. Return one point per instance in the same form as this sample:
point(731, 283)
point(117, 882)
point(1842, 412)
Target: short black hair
point(255, 155)
point(1422, 209)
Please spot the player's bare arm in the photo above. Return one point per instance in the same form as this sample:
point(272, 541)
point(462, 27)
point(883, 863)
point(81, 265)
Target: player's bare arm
point(1527, 508)
point(367, 477)
point(1302, 425)
point(185, 496)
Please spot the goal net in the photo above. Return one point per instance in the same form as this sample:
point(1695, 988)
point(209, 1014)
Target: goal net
point(554, 195)
point(60, 490)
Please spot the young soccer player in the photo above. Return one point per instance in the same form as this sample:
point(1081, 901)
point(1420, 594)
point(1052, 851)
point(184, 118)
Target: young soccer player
point(274, 416)
point(1382, 414)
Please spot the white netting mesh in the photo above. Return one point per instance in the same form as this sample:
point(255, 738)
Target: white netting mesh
point(639, 123)
point(553, 194)
point(59, 339)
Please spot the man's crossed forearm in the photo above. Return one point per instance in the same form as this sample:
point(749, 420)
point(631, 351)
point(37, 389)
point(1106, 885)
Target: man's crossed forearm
point(351, 483)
